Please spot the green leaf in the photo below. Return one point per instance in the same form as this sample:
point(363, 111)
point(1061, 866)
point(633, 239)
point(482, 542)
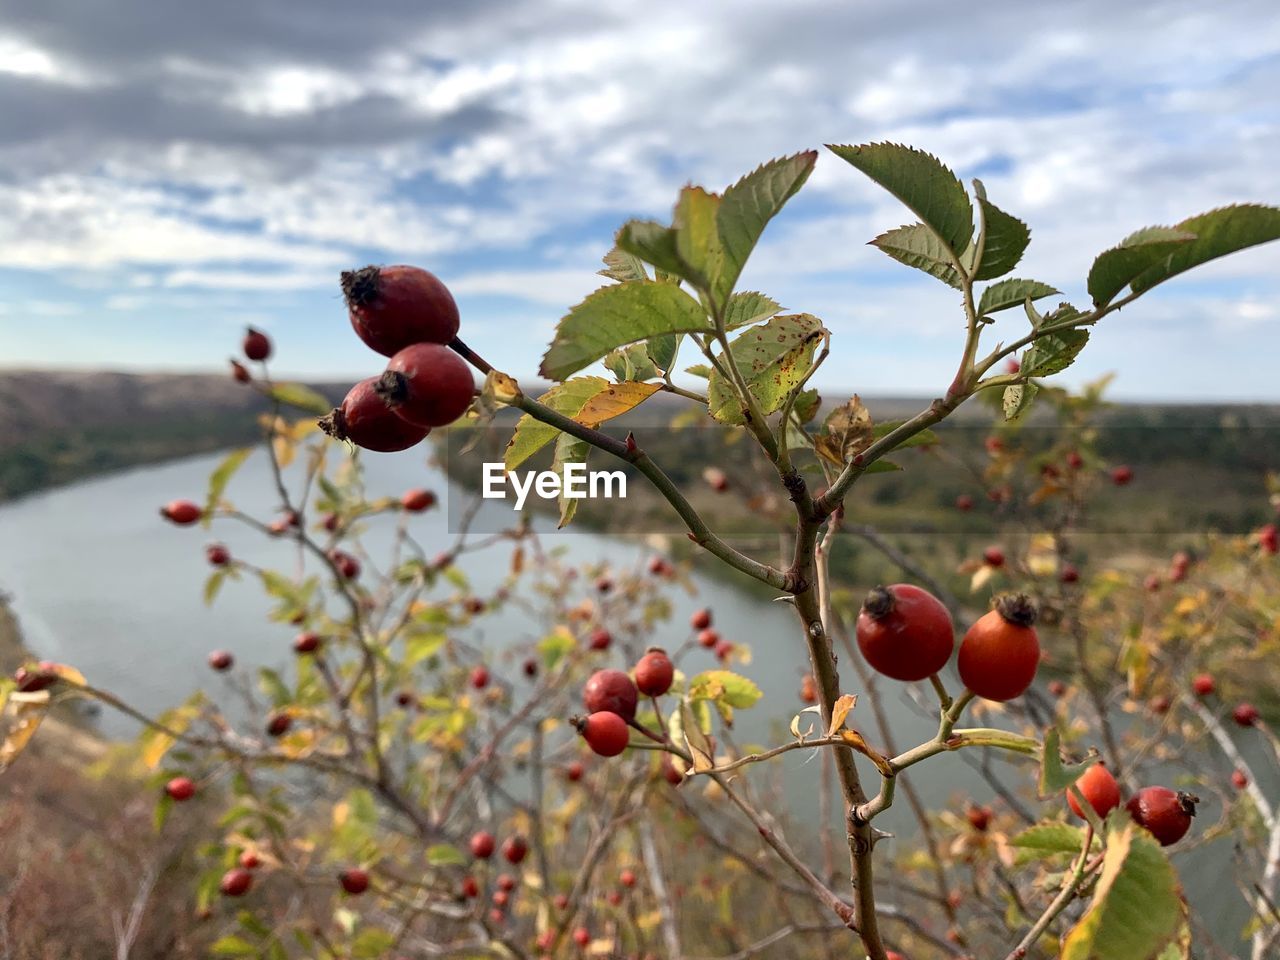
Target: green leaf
point(1137, 907)
point(420, 646)
point(631, 362)
point(748, 307)
point(616, 315)
point(749, 205)
point(568, 398)
point(1006, 239)
point(161, 812)
point(1118, 267)
point(919, 180)
point(1012, 293)
point(698, 239)
point(623, 266)
point(302, 397)
point(1047, 839)
point(1053, 352)
point(773, 359)
point(1055, 776)
point(445, 855)
point(271, 684)
point(918, 246)
point(1218, 233)
point(372, 944)
point(214, 584)
point(555, 646)
point(662, 351)
point(233, 946)
point(806, 405)
point(219, 479)
point(703, 370)
point(568, 450)
point(653, 243)
point(1017, 399)
point(881, 466)
point(725, 686)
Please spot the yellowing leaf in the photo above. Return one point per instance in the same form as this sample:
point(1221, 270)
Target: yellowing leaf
point(21, 718)
point(847, 432)
point(839, 710)
point(613, 401)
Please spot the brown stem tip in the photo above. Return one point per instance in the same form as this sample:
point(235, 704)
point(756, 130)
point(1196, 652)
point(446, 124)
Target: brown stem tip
point(335, 424)
point(360, 287)
point(879, 603)
point(1187, 802)
point(1017, 608)
point(393, 387)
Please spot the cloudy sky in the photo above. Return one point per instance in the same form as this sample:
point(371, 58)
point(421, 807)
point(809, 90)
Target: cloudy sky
point(172, 171)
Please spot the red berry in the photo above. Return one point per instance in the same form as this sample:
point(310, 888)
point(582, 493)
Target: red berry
point(560, 901)
point(1152, 583)
point(236, 882)
point(256, 345)
point(180, 788)
point(979, 817)
point(239, 372)
point(1012, 365)
point(1203, 684)
point(964, 503)
point(1269, 539)
point(659, 567)
point(404, 698)
point(530, 667)
point(614, 897)
point(723, 649)
point(1121, 476)
point(394, 307)
point(627, 878)
point(993, 557)
point(482, 845)
point(506, 882)
point(612, 691)
point(416, 501)
point(1057, 688)
point(581, 936)
point(600, 639)
point(217, 555)
point(515, 849)
point(181, 512)
point(573, 773)
point(701, 619)
point(1167, 814)
point(278, 724)
point(33, 681)
point(1069, 574)
point(670, 773)
point(905, 632)
point(1245, 714)
point(365, 419)
point(354, 880)
point(250, 860)
point(808, 689)
point(1099, 787)
point(1074, 460)
point(1000, 653)
point(221, 660)
point(606, 733)
point(717, 479)
point(480, 677)
point(427, 384)
point(496, 917)
point(604, 584)
point(348, 567)
point(1239, 779)
point(546, 940)
point(894, 955)
point(331, 522)
point(654, 673)
point(1159, 704)
point(500, 898)
point(306, 642)
point(470, 888)
point(994, 445)
point(708, 637)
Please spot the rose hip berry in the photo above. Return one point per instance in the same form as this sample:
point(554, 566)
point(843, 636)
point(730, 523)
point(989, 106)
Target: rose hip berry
point(964, 503)
point(365, 419)
point(427, 384)
point(1000, 653)
point(348, 567)
point(480, 677)
point(600, 639)
point(33, 681)
point(239, 372)
point(180, 788)
point(1164, 812)
point(708, 637)
point(1203, 684)
point(416, 501)
point(701, 619)
point(278, 724)
point(1245, 714)
point(611, 691)
point(217, 554)
point(470, 888)
point(482, 845)
point(515, 849)
point(181, 512)
point(307, 642)
point(905, 632)
point(1239, 779)
point(654, 673)
point(394, 307)
point(993, 557)
point(354, 881)
point(221, 660)
point(582, 936)
point(250, 860)
point(256, 345)
point(573, 773)
point(1069, 574)
point(979, 817)
point(1099, 787)
point(1122, 476)
point(606, 733)
point(236, 882)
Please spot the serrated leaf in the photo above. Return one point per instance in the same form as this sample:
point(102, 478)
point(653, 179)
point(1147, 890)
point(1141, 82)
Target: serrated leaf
point(1012, 293)
point(1137, 907)
point(916, 245)
point(1053, 353)
point(631, 362)
point(930, 190)
point(725, 686)
point(653, 243)
point(698, 239)
point(703, 370)
point(749, 205)
point(555, 646)
point(662, 351)
point(773, 359)
point(1017, 399)
point(613, 401)
point(531, 435)
point(445, 855)
point(214, 584)
point(839, 711)
point(1115, 269)
point(1048, 839)
point(623, 266)
point(300, 396)
point(1055, 776)
point(569, 449)
point(219, 479)
point(419, 646)
point(748, 307)
point(616, 315)
point(806, 405)
point(846, 432)
point(1006, 239)
point(1218, 233)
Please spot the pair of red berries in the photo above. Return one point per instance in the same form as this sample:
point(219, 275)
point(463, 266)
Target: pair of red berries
point(611, 697)
point(1165, 813)
point(483, 845)
point(905, 633)
point(407, 314)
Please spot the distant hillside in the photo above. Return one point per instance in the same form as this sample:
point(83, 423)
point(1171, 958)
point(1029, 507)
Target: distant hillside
point(60, 426)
